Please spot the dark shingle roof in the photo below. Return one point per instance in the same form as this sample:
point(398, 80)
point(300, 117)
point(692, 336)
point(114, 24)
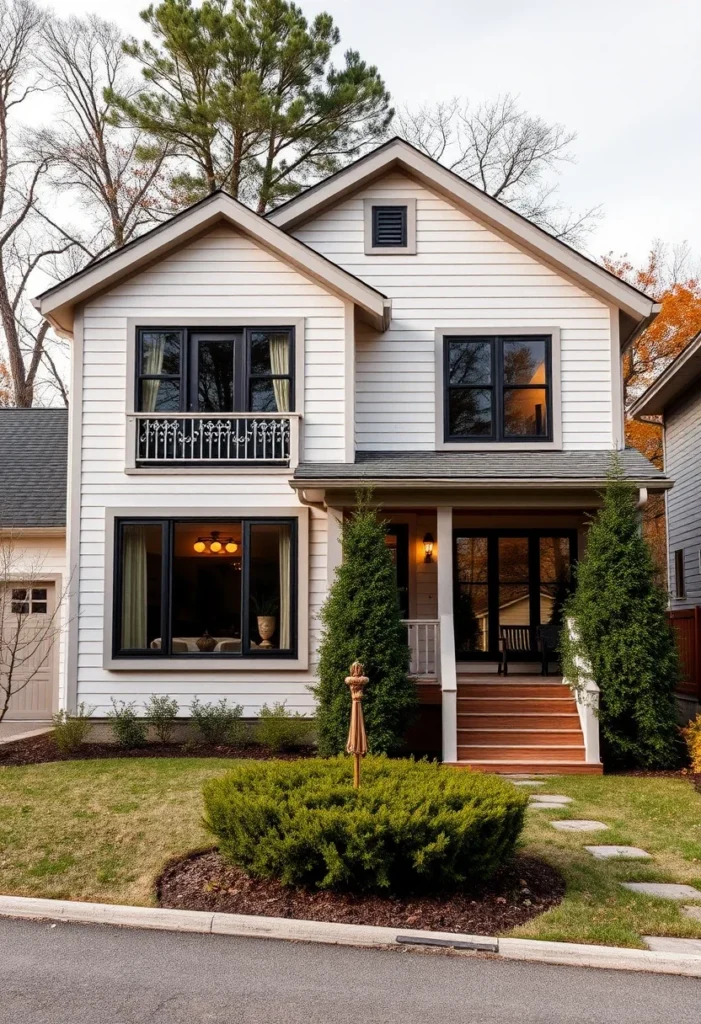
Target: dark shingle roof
point(33, 467)
point(495, 465)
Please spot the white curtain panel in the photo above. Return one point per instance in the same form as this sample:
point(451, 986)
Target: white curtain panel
point(285, 551)
point(280, 364)
point(153, 363)
point(134, 589)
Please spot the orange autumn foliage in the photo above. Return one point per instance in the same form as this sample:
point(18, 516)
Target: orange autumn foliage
point(5, 387)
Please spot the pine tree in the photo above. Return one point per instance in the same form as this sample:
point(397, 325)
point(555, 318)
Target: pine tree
point(362, 619)
point(618, 610)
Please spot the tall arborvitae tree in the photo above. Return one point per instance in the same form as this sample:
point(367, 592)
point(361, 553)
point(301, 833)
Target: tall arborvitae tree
point(362, 620)
point(620, 629)
point(246, 93)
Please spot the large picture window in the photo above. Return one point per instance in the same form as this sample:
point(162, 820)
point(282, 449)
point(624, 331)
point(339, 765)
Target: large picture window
point(212, 588)
point(498, 388)
point(215, 371)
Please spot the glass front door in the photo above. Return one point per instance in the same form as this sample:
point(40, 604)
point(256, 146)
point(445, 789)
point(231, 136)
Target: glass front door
point(508, 578)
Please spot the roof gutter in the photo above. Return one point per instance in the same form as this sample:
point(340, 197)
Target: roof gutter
point(642, 326)
point(447, 483)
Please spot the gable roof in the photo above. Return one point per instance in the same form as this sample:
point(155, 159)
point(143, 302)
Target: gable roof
point(398, 154)
point(33, 467)
point(58, 303)
point(680, 375)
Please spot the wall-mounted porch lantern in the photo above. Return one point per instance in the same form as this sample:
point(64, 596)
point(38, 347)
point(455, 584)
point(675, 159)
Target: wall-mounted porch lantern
point(428, 547)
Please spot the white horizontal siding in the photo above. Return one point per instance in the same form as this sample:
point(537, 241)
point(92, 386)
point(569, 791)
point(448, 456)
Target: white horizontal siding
point(463, 275)
point(222, 274)
point(683, 465)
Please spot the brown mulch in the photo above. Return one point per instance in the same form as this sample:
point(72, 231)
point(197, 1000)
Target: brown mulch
point(519, 891)
point(42, 749)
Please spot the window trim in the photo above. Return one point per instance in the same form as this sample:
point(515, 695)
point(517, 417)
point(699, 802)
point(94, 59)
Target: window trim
point(187, 377)
point(297, 659)
point(679, 575)
point(389, 250)
point(442, 439)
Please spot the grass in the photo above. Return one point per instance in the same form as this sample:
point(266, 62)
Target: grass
point(103, 830)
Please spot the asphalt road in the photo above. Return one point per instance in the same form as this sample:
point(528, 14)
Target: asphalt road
point(81, 974)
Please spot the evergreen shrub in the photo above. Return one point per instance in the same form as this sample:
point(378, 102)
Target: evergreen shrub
point(281, 729)
point(70, 730)
point(618, 611)
point(362, 620)
point(219, 724)
point(161, 715)
point(128, 729)
point(411, 826)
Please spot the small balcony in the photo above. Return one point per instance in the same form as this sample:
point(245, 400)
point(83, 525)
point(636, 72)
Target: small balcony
point(217, 439)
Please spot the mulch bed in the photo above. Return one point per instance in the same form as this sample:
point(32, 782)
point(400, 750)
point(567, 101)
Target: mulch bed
point(42, 749)
point(519, 891)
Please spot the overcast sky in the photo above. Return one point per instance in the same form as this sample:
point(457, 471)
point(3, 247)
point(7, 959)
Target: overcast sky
point(623, 74)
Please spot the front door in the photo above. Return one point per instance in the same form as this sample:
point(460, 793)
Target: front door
point(508, 578)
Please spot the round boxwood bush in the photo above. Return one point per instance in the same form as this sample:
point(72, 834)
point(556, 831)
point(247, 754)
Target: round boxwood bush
point(412, 825)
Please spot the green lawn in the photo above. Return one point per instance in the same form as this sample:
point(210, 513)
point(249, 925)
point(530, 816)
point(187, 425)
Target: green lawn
point(102, 830)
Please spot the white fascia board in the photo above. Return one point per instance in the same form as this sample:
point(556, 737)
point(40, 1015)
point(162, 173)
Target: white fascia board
point(491, 212)
point(57, 303)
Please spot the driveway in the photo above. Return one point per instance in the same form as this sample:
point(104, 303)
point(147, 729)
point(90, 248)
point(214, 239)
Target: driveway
point(78, 974)
point(10, 731)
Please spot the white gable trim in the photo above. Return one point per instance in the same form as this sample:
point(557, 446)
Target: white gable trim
point(58, 303)
point(399, 154)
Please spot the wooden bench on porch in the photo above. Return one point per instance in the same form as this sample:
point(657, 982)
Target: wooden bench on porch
point(515, 640)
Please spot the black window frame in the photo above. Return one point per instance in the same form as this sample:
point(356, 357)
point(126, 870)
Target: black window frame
point(187, 378)
point(375, 241)
point(168, 525)
point(498, 387)
point(679, 575)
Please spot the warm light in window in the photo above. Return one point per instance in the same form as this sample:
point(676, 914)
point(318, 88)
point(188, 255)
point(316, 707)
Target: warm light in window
point(231, 547)
point(428, 547)
point(199, 546)
point(215, 546)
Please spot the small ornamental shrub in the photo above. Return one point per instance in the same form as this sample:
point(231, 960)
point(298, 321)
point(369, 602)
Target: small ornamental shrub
point(218, 724)
point(362, 620)
point(692, 735)
point(71, 730)
point(128, 729)
point(618, 610)
point(411, 826)
point(280, 729)
point(161, 715)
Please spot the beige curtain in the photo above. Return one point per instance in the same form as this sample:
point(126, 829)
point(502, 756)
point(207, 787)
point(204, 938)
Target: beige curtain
point(153, 363)
point(280, 364)
point(134, 589)
point(285, 552)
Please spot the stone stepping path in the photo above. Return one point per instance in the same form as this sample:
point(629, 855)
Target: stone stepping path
point(664, 890)
point(664, 944)
point(693, 912)
point(614, 852)
point(579, 825)
point(526, 782)
point(548, 800)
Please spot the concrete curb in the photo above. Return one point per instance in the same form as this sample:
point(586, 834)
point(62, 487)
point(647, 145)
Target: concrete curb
point(243, 925)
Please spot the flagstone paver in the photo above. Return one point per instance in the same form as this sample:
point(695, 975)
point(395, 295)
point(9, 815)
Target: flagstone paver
point(527, 782)
point(607, 852)
point(665, 944)
point(550, 798)
point(693, 912)
point(664, 890)
point(579, 825)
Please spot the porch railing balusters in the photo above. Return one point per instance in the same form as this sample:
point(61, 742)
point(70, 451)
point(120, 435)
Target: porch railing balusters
point(221, 438)
point(424, 645)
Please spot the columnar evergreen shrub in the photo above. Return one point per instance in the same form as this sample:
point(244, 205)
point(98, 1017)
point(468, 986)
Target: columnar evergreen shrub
point(618, 610)
point(411, 826)
point(362, 620)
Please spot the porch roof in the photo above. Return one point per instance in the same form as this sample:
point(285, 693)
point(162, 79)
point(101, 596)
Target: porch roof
point(561, 468)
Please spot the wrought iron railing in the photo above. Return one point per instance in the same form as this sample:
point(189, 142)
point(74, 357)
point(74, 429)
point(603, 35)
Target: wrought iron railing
point(423, 637)
point(217, 438)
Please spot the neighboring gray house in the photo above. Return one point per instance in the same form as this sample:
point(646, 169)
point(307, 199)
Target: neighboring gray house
point(676, 398)
point(33, 484)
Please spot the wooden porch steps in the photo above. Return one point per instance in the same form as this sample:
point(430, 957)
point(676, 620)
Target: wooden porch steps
point(519, 725)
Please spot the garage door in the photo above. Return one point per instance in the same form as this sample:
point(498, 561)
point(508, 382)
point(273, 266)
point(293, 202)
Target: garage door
point(32, 606)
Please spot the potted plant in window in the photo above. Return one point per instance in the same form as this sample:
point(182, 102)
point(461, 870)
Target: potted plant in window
point(266, 606)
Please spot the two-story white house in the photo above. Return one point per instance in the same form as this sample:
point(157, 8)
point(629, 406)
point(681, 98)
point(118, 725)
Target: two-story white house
point(236, 377)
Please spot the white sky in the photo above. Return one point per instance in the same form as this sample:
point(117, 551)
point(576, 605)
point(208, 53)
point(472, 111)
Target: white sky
point(623, 74)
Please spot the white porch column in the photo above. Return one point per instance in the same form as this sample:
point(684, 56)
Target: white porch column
point(334, 551)
point(449, 684)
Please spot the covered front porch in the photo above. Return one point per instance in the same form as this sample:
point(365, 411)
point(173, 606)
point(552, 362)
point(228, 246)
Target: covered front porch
point(483, 564)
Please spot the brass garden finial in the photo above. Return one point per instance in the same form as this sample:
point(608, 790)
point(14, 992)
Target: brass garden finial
point(357, 740)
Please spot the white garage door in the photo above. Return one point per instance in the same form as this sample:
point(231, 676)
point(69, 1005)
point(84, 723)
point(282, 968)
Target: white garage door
point(32, 606)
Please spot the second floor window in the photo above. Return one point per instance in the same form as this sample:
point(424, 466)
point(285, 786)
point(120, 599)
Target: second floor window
point(242, 370)
point(498, 388)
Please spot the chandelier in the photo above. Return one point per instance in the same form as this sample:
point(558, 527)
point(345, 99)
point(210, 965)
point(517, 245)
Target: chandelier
point(215, 544)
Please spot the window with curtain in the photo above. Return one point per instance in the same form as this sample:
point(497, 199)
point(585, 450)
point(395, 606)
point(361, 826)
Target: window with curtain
point(498, 388)
point(215, 371)
point(205, 588)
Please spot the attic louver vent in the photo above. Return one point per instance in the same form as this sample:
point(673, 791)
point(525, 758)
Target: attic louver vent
point(389, 227)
